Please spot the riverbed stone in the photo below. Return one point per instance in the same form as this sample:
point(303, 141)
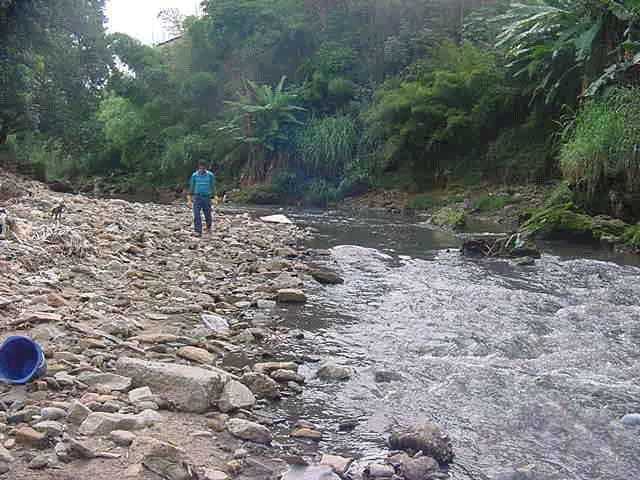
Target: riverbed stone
point(30, 436)
point(426, 437)
point(195, 354)
point(187, 388)
point(420, 468)
point(50, 428)
point(246, 430)
point(386, 376)
point(142, 394)
point(235, 395)
point(39, 462)
point(53, 413)
point(338, 464)
point(332, 371)
point(291, 295)
point(325, 276)
point(307, 433)
point(78, 413)
point(113, 382)
point(212, 474)
point(166, 460)
point(631, 419)
point(285, 376)
point(268, 367)
point(5, 455)
point(122, 438)
point(376, 470)
point(261, 385)
point(215, 323)
point(309, 472)
point(104, 423)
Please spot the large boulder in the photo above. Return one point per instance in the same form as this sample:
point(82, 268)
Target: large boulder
point(251, 431)
point(428, 438)
point(235, 396)
point(261, 385)
point(188, 389)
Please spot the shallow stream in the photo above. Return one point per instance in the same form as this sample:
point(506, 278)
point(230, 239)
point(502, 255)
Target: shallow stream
point(529, 369)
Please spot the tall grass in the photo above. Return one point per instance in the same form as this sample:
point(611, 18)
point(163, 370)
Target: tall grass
point(327, 145)
point(601, 146)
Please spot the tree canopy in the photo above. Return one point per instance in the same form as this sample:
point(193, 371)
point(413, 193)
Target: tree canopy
point(314, 95)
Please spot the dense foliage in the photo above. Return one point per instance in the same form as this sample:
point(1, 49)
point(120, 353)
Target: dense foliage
point(324, 98)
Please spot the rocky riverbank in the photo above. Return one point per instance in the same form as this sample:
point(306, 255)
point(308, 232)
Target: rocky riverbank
point(137, 318)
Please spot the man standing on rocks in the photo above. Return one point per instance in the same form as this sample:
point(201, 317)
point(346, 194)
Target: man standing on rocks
point(201, 189)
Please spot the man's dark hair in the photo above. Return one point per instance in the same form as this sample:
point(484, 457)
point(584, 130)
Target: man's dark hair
point(202, 163)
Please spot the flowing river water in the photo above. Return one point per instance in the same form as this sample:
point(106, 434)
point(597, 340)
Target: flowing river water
point(529, 369)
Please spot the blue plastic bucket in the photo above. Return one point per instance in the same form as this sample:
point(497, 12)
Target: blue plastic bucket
point(21, 360)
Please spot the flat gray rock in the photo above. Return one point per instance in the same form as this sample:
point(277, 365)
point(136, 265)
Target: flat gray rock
point(187, 388)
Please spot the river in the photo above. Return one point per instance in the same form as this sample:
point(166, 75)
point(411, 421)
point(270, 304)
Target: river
point(529, 369)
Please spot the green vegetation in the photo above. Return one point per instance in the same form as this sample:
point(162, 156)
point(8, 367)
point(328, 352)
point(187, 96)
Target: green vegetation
point(566, 219)
point(492, 203)
point(312, 101)
point(423, 202)
point(450, 218)
point(632, 236)
point(601, 153)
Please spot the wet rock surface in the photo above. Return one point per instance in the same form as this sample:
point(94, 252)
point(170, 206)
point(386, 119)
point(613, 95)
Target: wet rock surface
point(427, 438)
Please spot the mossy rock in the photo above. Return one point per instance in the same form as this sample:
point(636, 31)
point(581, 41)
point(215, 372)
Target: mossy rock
point(565, 220)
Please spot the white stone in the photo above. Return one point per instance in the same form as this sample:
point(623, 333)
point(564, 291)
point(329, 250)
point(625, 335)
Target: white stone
point(235, 396)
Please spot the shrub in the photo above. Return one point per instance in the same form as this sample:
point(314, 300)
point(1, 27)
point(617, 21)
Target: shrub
point(600, 146)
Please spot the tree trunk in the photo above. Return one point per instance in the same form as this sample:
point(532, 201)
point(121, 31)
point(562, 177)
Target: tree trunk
point(4, 133)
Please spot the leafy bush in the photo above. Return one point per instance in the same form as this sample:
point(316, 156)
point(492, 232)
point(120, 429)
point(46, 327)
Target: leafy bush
point(458, 100)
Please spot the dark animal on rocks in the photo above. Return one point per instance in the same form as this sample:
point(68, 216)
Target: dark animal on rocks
point(57, 211)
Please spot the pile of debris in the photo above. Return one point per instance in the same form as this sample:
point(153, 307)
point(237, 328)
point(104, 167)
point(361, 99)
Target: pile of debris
point(499, 246)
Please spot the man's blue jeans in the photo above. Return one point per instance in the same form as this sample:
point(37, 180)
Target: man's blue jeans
point(201, 204)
